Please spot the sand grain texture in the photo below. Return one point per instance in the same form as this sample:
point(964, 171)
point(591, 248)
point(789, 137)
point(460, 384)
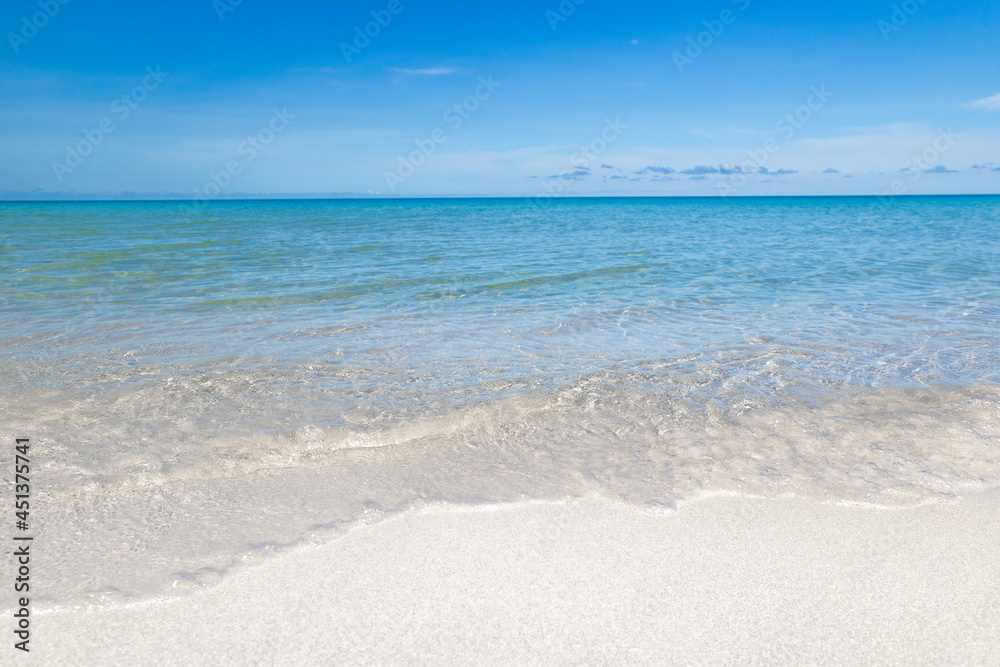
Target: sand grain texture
point(721, 581)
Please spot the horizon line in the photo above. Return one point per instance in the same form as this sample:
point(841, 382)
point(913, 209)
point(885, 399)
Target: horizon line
point(545, 199)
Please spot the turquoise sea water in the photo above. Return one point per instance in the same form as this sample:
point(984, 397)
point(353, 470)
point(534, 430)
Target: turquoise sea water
point(204, 387)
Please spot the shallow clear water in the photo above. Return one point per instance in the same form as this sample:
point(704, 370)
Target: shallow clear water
point(203, 386)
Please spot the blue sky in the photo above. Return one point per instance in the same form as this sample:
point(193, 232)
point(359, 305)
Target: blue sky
point(222, 98)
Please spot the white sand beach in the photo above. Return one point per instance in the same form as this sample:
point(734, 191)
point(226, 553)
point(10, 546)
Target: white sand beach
point(726, 580)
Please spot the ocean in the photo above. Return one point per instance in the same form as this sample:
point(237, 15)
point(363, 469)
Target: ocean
point(207, 387)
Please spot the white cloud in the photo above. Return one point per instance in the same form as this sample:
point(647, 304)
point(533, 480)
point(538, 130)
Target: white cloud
point(987, 103)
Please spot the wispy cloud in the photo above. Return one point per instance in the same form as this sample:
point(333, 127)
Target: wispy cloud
point(653, 169)
point(427, 71)
point(986, 104)
point(701, 169)
point(577, 175)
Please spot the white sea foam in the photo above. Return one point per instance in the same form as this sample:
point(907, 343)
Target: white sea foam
point(174, 511)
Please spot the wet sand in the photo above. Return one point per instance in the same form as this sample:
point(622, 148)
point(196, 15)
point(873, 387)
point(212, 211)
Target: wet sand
point(726, 580)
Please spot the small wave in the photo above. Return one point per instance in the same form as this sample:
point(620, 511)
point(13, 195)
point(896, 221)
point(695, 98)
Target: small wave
point(618, 435)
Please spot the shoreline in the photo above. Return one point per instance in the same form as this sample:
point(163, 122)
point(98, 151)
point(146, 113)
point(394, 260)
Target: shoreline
point(725, 579)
